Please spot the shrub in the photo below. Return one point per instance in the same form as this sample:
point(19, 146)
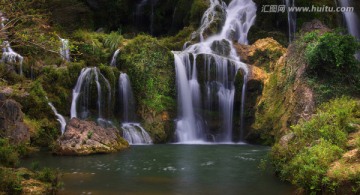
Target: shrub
point(113, 41)
point(9, 156)
point(308, 168)
point(318, 142)
point(10, 182)
point(332, 54)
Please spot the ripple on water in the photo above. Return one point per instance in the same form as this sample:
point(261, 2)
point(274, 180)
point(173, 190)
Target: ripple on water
point(170, 168)
point(209, 163)
point(245, 158)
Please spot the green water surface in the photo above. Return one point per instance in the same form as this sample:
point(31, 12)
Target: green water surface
point(168, 169)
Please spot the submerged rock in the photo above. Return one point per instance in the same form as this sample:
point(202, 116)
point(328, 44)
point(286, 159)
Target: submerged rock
point(11, 121)
point(86, 137)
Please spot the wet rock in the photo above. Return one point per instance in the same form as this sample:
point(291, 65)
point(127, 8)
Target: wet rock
point(11, 121)
point(86, 137)
point(284, 141)
point(314, 25)
point(221, 48)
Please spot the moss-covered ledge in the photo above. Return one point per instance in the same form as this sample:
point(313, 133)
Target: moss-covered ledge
point(150, 67)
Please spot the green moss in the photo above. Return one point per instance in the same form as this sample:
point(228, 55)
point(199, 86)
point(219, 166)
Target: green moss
point(332, 54)
point(266, 58)
point(308, 168)
point(333, 71)
point(10, 182)
point(318, 142)
point(94, 48)
point(8, 154)
point(176, 42)
point(197, 10)
point(152, 77)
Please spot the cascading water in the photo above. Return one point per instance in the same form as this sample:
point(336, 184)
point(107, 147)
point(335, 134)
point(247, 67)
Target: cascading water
point(113, 59)
point(134, 133)
point(10, 56)
point(60, 117)
point(221, 66)
point(352, 22)
point(152, 17)
point(291, 19)
point(3, 20)
point(65, 49)
point(82, 92)
point(139, 13)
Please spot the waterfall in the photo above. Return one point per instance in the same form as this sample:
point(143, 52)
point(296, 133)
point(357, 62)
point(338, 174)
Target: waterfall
point(134, 133)
point(3, 20)
point(152, 17)
point(113, 59)
point(139, 13)
point(10, 56)
point(291, 19)
point(221, 65)
point(65, 49)
point(352, 22)
point(126, 98)
point(140, 7)
point(60, 118)
point(82, 90)
point(209, 16)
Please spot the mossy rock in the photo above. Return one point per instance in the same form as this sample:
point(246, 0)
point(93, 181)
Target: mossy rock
point(152, 75)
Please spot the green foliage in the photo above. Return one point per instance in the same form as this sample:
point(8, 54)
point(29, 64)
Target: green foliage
point(317, 143)
point(90, 47)
point(358, 143)
point(151, 73)
point(46, 135)
point(35, 104)
point(332, 54)
point(28, 28)
point(58, 83)
point(152, 78)
point(176, 42)
point(110, 73)
point(309, 167)
point(113, 41)
point(197, 10)
point(265, 58)
point(47, 175)
point(10, 182)
point(90, 134)
point(9, 156)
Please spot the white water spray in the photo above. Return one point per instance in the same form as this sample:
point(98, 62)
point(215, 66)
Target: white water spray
point(82, 90)
point(65, 49)
point(352, 22)
point(291, 19)
point(10, 56)
point(60, 117)
point(114, 57)
point(134, 133)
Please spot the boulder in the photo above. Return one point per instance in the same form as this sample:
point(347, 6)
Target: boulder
point(86, 137)
point(221, 48)
point(11, 121)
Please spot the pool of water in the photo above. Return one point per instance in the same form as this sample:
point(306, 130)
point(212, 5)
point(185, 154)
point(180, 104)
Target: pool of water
point(167, 169)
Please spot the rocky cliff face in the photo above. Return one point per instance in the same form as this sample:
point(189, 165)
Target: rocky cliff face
point(277, 94)
point(11, 121)
point(86, 137)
